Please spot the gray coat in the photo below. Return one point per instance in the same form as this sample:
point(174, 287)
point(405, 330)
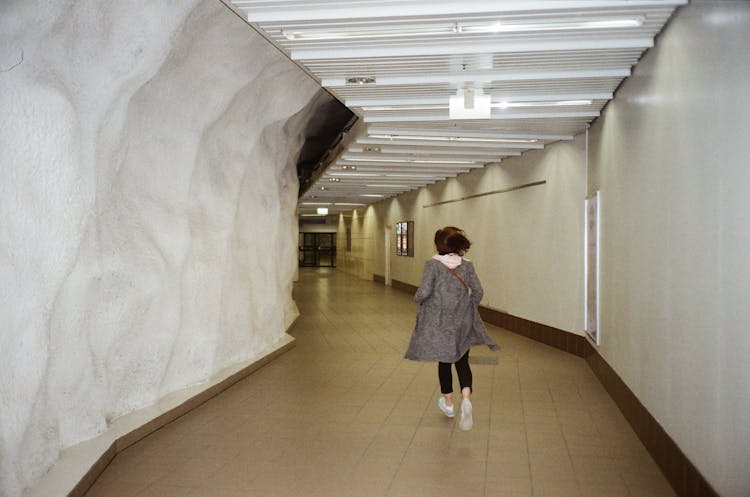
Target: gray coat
point(448, 322)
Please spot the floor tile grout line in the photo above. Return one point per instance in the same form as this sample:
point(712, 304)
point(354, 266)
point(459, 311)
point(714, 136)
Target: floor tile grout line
point(489, 432)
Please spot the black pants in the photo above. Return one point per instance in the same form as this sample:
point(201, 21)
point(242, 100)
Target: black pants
point(462, 369)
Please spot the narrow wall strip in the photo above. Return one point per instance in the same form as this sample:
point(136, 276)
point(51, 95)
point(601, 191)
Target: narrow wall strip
point(493, 192)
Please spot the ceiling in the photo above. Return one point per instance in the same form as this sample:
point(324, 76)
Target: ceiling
point(539, 71)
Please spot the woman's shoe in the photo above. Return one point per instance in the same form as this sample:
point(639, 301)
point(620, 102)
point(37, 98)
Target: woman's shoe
point(467, 421)
point(447, 410)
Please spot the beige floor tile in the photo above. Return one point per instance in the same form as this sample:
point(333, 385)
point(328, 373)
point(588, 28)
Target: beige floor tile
point(104, 488)
point(164, 490)
point(555, 488)
point(508, 487)
point(350, 417)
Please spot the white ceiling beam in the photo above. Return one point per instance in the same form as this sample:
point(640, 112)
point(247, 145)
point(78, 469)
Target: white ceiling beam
point(437, 145)
point(496, 98)
point(300, 12)
point(443, 116)
point(484, 77)
point(409, 166)
point(430, 152)
point(458, 162)
point(411, 170)
point(375, 130)
point(456, 48)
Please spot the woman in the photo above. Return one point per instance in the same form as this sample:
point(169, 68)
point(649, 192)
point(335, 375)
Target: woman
point(448, 322)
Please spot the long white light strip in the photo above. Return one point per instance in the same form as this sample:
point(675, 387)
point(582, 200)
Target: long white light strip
point(458, 29)
point(354, 175)
point(453, 139)
point(371, 195)
point(356, 159)
point(496, 105)
point(370, 33)
point(503, 27)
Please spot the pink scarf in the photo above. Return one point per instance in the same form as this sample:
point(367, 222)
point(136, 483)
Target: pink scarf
point(452, 261)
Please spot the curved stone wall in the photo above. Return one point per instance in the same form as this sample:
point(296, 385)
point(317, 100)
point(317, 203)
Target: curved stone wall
point(147, 195)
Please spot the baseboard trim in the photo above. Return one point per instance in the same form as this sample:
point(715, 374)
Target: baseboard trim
point(91, 458)
point(554, 337)
point(400, 285)
point(684, 477)
point(681, 474)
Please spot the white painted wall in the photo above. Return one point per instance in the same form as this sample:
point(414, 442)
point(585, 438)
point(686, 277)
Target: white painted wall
point(145, 147)
point(527, 245)
point(670, 156)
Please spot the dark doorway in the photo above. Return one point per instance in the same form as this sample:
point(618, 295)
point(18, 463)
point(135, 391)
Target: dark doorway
point(318, 250)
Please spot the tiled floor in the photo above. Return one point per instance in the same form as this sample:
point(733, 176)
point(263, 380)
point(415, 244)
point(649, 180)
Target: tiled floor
point(342, 414)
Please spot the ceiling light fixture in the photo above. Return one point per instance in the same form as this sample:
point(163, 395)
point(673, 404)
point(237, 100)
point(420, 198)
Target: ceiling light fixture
point(404, 107)
point(455, 28)
point(371, 195)
point(323, 211)
point(354, 175)
point(415, 161)
point(494, 105)
point(454, 139)
point(334, 180)
point(349, 168)
point(469, 103)
point(416, 176)
point(595, 23)
point(512, 105)
point(395, 31)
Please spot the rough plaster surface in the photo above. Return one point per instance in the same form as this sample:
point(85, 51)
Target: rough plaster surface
point(147, 193)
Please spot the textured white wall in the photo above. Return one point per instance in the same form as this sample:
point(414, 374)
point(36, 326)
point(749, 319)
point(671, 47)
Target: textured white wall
point(670, 156)
point(527, 245)
point(147, 194)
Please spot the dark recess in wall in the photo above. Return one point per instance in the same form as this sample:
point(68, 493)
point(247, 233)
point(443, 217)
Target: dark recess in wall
point(329, 122)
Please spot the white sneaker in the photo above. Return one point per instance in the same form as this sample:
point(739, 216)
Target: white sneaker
point(467, 421)
point(447, 410)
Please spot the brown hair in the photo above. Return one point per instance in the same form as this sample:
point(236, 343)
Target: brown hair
point(451, 240)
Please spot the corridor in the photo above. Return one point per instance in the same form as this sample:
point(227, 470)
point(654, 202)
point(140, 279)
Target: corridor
point(342, 414)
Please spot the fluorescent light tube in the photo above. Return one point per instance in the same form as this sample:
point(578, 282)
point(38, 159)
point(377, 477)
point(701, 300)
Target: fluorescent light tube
point(454, 139)
point(393, 32)
point(510, 27)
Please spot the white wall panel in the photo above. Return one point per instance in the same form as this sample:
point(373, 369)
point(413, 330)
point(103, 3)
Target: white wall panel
point(670, 157)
